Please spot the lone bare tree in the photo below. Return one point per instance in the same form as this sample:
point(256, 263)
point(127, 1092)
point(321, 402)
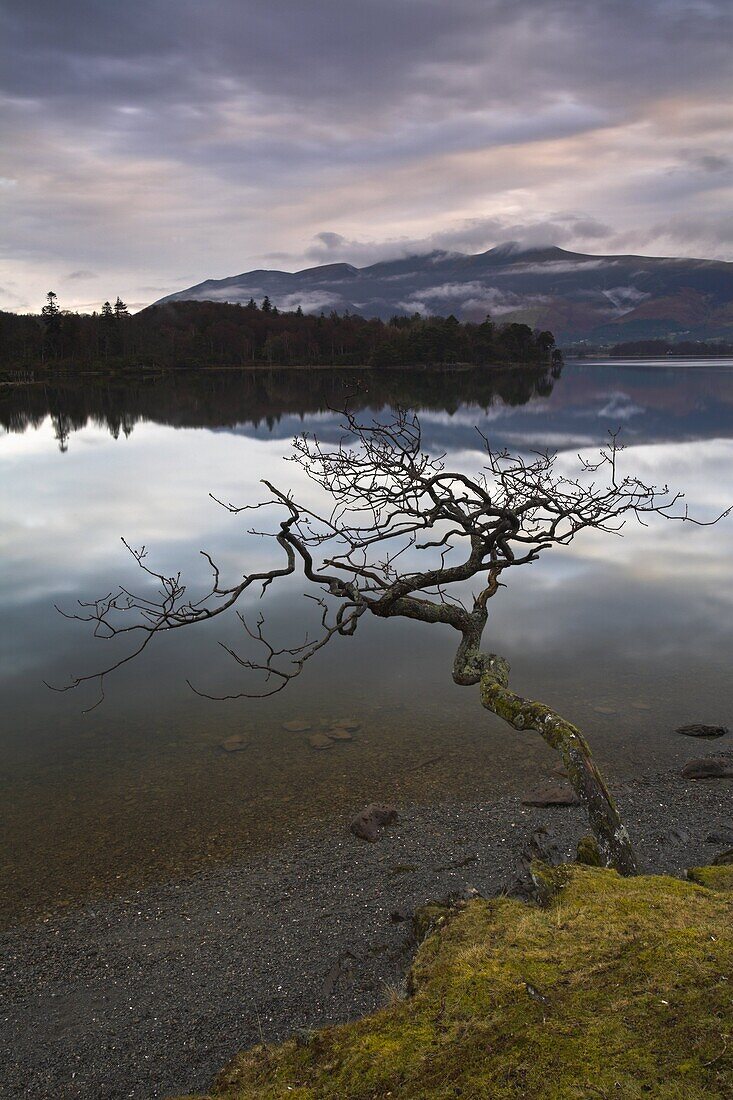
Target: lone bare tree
point(403, 536)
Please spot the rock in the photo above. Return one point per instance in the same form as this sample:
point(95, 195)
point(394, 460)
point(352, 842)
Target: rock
point(605, 710)
point(552, 794)
point(708, 767)
point(320, 741)
point(297, 726)
point(349, 724)
point(723, 858)
point(237, 743)
point(542, 845)
point(399, 915)
point(638, 704)
point(342, 970)
point(338, 735)
point(699, 730)
point(723, 835)
point(366, 824)
point(677, 835)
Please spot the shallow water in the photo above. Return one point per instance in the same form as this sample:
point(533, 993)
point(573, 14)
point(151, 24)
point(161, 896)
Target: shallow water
point(629, 637)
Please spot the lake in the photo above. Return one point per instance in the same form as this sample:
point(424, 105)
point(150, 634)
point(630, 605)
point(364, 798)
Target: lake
point(628, 637)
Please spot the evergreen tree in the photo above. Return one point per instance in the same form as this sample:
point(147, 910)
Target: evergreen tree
point(51, 314)
point(266, 306)
point(51, 324)
point(121, 309)
point(107, 327)
point(251, 304)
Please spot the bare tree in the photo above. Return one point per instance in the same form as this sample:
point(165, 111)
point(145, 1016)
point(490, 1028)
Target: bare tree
point(404, 536)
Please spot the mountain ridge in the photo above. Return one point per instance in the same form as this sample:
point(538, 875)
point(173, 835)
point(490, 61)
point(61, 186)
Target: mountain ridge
point(579, 296)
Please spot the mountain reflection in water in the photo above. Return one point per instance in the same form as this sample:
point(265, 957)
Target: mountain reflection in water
point(629, 637)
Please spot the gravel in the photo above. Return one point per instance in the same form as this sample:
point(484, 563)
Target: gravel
point(149, 995)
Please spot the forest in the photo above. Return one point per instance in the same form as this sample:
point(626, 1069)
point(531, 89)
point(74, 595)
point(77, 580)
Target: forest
point(206, 334)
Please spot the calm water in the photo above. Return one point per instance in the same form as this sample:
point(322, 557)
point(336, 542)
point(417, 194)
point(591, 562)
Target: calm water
point(628, 637)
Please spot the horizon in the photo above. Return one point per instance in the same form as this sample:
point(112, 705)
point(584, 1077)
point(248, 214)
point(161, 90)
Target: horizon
point(191, 142)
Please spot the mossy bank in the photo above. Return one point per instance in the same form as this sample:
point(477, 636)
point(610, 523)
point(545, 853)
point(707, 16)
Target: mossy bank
point(615, 988)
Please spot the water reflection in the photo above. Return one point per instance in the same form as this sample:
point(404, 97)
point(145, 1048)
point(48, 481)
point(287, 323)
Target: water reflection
point(263, 402)
point(140, 789)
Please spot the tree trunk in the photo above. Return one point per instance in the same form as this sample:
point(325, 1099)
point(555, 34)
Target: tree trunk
point(492, 674)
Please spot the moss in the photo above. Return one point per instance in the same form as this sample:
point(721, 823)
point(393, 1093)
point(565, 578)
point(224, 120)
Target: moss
point(430, 917)
point(620, 987)
point(588, 851)
point(714, 878)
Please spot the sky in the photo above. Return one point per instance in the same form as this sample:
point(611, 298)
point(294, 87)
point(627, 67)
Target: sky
point(148, 146)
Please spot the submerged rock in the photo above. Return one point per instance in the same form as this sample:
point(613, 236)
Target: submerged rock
point(697, 729)
point(297, 726)
point(552, 794)
point(237, 743)
point(708, 767)
point(340, 734)
point(320, 741)
point(366, 825)
point(351, 725)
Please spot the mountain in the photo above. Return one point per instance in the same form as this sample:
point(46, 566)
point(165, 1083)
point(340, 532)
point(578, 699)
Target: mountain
point(578, 297)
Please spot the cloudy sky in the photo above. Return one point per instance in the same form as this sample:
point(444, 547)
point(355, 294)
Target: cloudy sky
point(151, 145)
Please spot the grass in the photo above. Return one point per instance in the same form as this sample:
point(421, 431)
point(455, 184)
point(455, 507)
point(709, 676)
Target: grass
point(618, 988)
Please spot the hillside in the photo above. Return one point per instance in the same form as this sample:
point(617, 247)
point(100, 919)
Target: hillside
point(579, 297)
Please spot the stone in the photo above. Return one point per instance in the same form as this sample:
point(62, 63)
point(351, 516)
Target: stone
point(237, 743)
point(605, 710)
point(708, 767)
point(366, 825)
point(677, 835)
point(542, 845)
point(320, 741)
point(552, 794)
point(697, 729)
point(351, 725)
point(724, 858)
point(723, 835)
point(338, 735)
point(297, 726)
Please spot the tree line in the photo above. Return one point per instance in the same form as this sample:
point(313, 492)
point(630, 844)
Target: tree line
point(668, 347)
point(201, 334)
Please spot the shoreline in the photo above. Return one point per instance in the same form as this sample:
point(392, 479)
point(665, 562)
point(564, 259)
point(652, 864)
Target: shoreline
point(127, 370)
point(149, 995)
